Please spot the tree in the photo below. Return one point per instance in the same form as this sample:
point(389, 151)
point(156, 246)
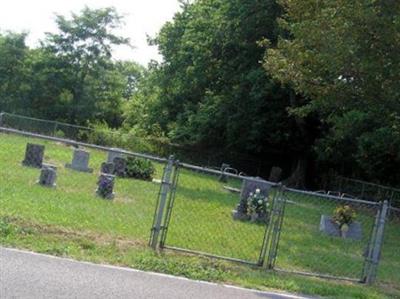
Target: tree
point(13, 81)
point(211, 90)
point(82, 50)
point(342, 57)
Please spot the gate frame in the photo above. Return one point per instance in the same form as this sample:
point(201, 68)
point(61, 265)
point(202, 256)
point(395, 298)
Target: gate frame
point(167, 218)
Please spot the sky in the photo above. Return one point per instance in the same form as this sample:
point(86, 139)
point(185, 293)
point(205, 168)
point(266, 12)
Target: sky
point(141, 17)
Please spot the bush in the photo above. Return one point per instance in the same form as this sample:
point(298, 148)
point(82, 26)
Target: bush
point(139, 168)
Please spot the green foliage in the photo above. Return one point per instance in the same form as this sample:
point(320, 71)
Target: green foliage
point(71, 77)
point(344, 215)
point(13, 74)
point(211, 90)
point(342, 57)
point(139, 168)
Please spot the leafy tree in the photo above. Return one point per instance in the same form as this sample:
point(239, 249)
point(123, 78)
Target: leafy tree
point(342, 56)
point(13, 80)
point(82, 51)
point(211, 90)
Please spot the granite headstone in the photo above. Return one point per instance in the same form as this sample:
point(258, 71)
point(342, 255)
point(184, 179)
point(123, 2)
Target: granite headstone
point(105, 186)
point(120, 166)
point(107, 168)
point(249, 185)
point(48, 175)
point(80, 161)
point(33, 155)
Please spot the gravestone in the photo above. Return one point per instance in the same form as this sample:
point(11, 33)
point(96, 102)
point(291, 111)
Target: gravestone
point(112, 155)
point(80, 161)
point(120, 166)
point(48, 176)
point(105, 186)
point(107, 168)
point(249, 185)
point(33, 155)
point(275, 174)
point(223, 177)
point(329, 227)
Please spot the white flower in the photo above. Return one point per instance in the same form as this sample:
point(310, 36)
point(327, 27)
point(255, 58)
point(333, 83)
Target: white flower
point(257, 191)
point(251, 193)
point(260, 202)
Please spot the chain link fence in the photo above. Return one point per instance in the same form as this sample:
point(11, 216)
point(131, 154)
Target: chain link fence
point(348, 187)
point(212, 215)
point(389, 265)
point(55, 181)
point(312, 241)
point(68, 185)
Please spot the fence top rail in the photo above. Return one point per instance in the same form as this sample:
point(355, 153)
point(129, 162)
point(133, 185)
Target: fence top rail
point(311, 193)
point(369, 184)
point(122, 151)
point(47, 121)
point(228, 174)
point(394, 209)
point(77, 143)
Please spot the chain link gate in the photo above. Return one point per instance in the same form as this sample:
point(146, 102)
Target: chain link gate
point(306, 248)
point(196, 217)
point(193, 215)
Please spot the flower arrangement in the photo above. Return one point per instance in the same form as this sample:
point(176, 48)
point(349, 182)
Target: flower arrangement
point(343, 216)
point(257, 203)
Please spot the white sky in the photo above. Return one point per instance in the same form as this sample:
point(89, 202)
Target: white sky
point(141, 17)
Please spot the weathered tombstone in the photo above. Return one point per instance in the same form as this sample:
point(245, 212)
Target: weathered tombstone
point(223, 177)
point(120, 166)
point(330, 228)
point(112, 155)
point(275, 174)
point(249, 185)
point(48, 176)
point(107, 168)
point(80, 161)
point(105, 186)
point(33, 155)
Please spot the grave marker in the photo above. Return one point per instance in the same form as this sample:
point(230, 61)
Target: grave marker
point(33, 155)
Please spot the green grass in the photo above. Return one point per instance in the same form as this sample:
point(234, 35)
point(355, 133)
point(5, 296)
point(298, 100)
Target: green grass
point(71, 221)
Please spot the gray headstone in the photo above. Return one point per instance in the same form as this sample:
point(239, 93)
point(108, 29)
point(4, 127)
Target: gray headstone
point(48, 176)
point(112, 155)
point(331, 228)
point(33, 155)
point(275, 174)
point(120, 166)
point(105, 186)
point(249, 185)
point(107, 168)
point(80, 161)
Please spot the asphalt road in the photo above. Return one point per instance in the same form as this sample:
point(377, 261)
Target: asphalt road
point(30, 275)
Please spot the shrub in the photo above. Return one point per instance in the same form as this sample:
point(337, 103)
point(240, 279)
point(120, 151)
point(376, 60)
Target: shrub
point(139, 168)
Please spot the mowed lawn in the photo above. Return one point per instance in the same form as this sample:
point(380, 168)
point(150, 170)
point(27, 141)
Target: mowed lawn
point(201, 220)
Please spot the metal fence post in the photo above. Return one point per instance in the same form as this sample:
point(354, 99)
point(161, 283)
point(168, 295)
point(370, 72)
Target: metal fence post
point(377, 245)
point(163, 195)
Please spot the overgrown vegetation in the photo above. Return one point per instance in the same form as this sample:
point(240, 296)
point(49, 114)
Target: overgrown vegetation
point(139, 168)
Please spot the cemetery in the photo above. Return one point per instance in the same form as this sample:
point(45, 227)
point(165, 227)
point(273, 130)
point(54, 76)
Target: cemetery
point(232, 223)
